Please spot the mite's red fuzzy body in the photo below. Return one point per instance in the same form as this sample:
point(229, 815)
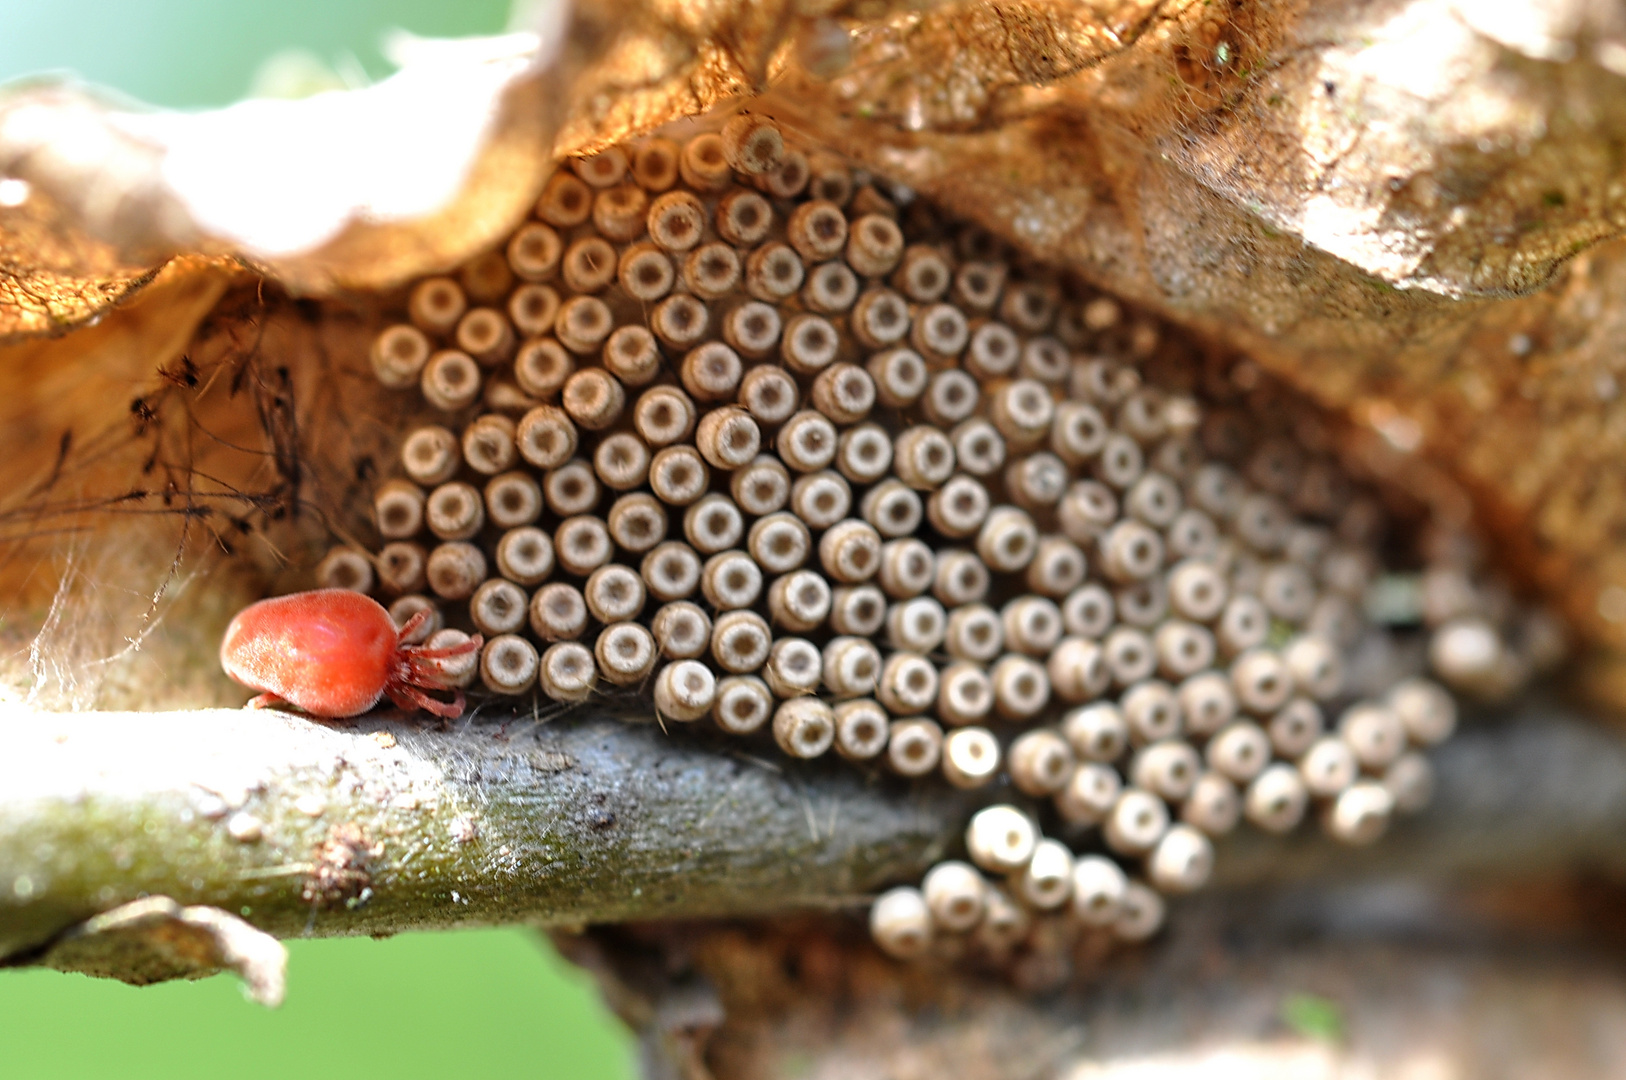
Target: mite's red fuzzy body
point(334, 653)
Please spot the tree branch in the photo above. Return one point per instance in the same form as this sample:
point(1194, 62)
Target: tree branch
point(389, 824)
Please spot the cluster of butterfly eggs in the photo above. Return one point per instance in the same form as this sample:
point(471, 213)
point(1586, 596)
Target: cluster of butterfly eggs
point(735, 343)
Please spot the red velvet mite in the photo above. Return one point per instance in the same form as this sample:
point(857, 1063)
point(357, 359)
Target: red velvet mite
point(335, 653)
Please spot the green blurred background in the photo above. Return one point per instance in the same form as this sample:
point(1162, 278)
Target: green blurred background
point(493, 1003)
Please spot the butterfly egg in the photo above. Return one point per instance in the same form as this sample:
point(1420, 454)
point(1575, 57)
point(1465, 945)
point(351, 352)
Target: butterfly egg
point(974, 632)
point(807, 442)
point(794, 667)
point(588, 265)
point(703, 163)
point(498, 607)
point(1410, 782)
point(1142, 604)
point(774, 272)
point(1040, 762)
point(1425, 709)
point(402, 566)
point(663, 415)
point(435, 304)
point(1001, 839)
point(1007, 540)
point(951, 397)
point(900, 922)
point(653, 164)
point(534, 251)
point(862, 729)
point(874, 245)
point(486, 335)
point(593, 398)
point(404, 608)
point(1214, 805)
point(558, 612)
point(1032, 625)
point(1136, 822)
point(965, 694)
point(959, 508)
point(916, 625)
point(960, 578)
point(740, 641)
point(582, 544)
point(625, 653)
point(1182, 860)
point(1022, 412)
point(799, 601)
point(1275, 801)
point(671, 571)
point(1129, 655)
point(512, 499)
point(857, 610)
point(743, 217)
point(817, 229)
point(1183, 649)
point(488, 444)
point(1100, 891)
point(769, 394)
point(851, 667)
point(821, 499)
point(1360, 814)
point(742, 705)
point(1239, 751)
point(509, 664)
point(1374, 732)
point(1047, 881)
point(567, 672)
point(546, 437)
point(398, 509)
point(1058, 567)
point(891, 509)
point(1140, 915)
point(731, 580)
point(1167, 768)
point(398, 356)
point(1021, 687)
point(680, 322)
point(828, 391)
point(971, 757)
point(678, 475)
point(1151, 711)
point(711, 271)
point(614, 593)
point(1328, 767)
point(914, 746)
point(632, 355)
point(907, 568)
point(1295, 727)
point(450, 380)
point(619, 212)
point(345, 568)
point(804, 727)
point(685, 690)
point(844, 393)
point(636, 523)
point(455, 569)
point(728, 438)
